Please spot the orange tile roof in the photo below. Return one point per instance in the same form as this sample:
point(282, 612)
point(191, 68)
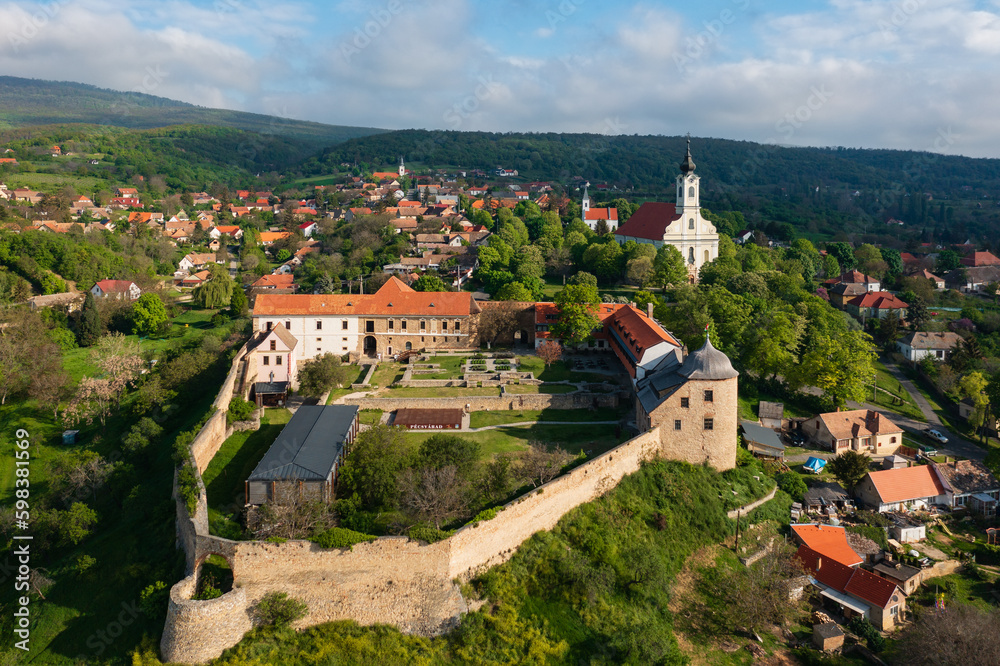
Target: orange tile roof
point(828, 541)
point(855, 582)
point(282, 281)
point(227, 228)
point(857, 423)
point(602, 214)
point(880, 300)
point(394, 298)
point(271, 236)
point(906, 483)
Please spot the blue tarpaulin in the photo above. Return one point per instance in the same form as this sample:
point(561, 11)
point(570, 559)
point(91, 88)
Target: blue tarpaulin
point(815, 465)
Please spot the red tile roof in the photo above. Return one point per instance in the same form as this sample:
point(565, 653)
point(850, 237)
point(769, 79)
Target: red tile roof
point(650, 221)
point(829, 541)
point(880, 300)
point(394, 298)
point(981, 259)
point(906, 483)
point(282, 281)
point(856, 277)
point(855, 582)
point(871, 588)
point(610, 214)
point(115, 286)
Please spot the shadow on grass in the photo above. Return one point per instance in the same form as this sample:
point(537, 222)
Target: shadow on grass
point(229, 469)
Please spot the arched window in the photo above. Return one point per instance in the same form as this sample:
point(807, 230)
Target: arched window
point(691, 191)
point(690, 255)
point(707, 258)
point(691, 223)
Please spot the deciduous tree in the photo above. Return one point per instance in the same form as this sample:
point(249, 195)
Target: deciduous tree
point(319, 375)
point(849, 468)
point(435, 494)
point(550, 351)
point(577, 313)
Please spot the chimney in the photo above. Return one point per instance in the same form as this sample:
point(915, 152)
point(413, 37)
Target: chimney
point(649, 309)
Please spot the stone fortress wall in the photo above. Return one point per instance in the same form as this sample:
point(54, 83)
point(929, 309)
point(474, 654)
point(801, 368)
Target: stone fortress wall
point(391, 580)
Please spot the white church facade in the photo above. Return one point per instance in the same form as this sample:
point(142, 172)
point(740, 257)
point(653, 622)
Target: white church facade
point(680, 224)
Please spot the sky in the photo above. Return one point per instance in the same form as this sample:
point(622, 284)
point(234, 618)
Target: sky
point(907, 74)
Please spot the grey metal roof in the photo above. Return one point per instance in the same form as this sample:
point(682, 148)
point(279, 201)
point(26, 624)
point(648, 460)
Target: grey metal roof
point(270, 388)
point(309, 445)
point(825, 492)
point(708, 363)
point(758, 434)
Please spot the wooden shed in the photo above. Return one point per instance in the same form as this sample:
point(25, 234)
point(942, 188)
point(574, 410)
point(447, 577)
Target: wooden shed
point(429, 419)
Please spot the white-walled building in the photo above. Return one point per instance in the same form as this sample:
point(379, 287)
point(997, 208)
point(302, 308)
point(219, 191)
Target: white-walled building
point(938, 345)
point(592, 216)
point(680, 224)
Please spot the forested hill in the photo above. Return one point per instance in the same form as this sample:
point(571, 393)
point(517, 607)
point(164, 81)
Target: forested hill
point(644, 162)
point(29, 102)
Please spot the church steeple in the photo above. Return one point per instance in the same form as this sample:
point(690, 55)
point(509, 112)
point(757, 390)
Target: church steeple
point(402, 169)
point(586, 198)
point(687, 166)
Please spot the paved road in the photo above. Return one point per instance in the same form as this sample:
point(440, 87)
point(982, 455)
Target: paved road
point(956, 446)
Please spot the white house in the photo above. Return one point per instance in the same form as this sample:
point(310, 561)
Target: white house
point(120, 289)
point(919, 344)
point(680, 224)
point(197, 260)
point(308, 228)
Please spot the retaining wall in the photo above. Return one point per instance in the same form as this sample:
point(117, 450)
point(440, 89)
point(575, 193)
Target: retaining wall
point(531, 401)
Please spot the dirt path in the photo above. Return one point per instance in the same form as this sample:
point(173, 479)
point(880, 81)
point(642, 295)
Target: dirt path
point(682, 595)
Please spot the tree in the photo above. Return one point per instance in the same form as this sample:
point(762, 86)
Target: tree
point(639, 271)
point(429, 283)
point(759, 595)
point(149, 315)
point(89, 328)
point(844, 254)
point(540, 465)
point(498, 320)
point(514, 291)
point(435, 494)
point(118, 356)
point(792, 483)
point(972, 386)
point(668, 266)
point(960, 635)
point(319, 375)
point(849, 468)
point(917, 312)
point(550, 351)
point(238, 304)
point(947, 260)
point(578, 318)
point(442, 450)
point(370, 472)
point(842, 366)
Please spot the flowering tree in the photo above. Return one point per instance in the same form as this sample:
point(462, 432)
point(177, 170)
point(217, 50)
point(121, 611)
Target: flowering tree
point(550, 351)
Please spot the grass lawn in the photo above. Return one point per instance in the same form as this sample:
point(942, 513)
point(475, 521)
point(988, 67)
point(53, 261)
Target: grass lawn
point(51, 182)
point(544, 388)
point(452, 367)
point(341, 392)
point(370, 416)
point(481, 419)
point(226, 474)
point(387, 373)
point(591, 439)
point(559, 372)
point(893, 396)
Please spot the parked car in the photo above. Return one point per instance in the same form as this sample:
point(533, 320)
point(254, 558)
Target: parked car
point(938, 435)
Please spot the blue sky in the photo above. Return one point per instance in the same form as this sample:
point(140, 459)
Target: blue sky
point(910, 74)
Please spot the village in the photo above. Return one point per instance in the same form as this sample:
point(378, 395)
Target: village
point(884, 496)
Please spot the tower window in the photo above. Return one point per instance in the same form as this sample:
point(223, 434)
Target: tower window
point(709, 396)
point(691, 223)
point(677, 424)
point(691, 192)
point(709, 424)
point(685, 402)
point(319, 325)
point(690, 255)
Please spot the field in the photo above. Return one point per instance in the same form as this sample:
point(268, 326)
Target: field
point(589, 439)
point(52, 182)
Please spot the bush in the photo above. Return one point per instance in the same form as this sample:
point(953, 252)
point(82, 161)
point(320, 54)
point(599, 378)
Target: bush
point(792, 484)
point(866, 630)
point(239, 409)
point(339, 537)
point(153, 599)
point(429, 534)
point(279, 610)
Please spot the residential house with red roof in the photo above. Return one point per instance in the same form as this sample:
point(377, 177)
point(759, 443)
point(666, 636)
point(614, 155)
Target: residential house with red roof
point(680, 224)
point(855, 591)
point(230, 230)
point(901, 489)
point(861, 430)
point(394, 319)
point(827, 540)
point(592, 216)
point(877, 304)
point(977, 259)
point(118, 289)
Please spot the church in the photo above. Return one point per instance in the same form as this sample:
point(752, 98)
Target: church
point(680, 224)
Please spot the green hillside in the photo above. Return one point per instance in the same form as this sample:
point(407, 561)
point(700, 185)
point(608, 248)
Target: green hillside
point(30, 102)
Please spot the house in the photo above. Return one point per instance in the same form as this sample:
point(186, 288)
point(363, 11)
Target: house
point(828, 540)
point(828, 636)
point(855, 591)
point(901, 489)
point(230, 230)
point(907, 578)
point(877, 304)
point(272, 282)
point(856, 277)
point(762, 441)
point(826, 495)
point(591, 216)
point(927, 275)
point(69, 301)
point(973, 278)
point(118, 289)
point(303, 462)
point(906, 531)
point(980, 259)
point(938, 345)
point(268, 237)
point(197, 260)
point(969, 483)
point(861, 430)
point(394, 319)
point(680, 224)
point(771, 414)
point(192, 280)
point(273, 356)
point(309, 228)
point(126, 192)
